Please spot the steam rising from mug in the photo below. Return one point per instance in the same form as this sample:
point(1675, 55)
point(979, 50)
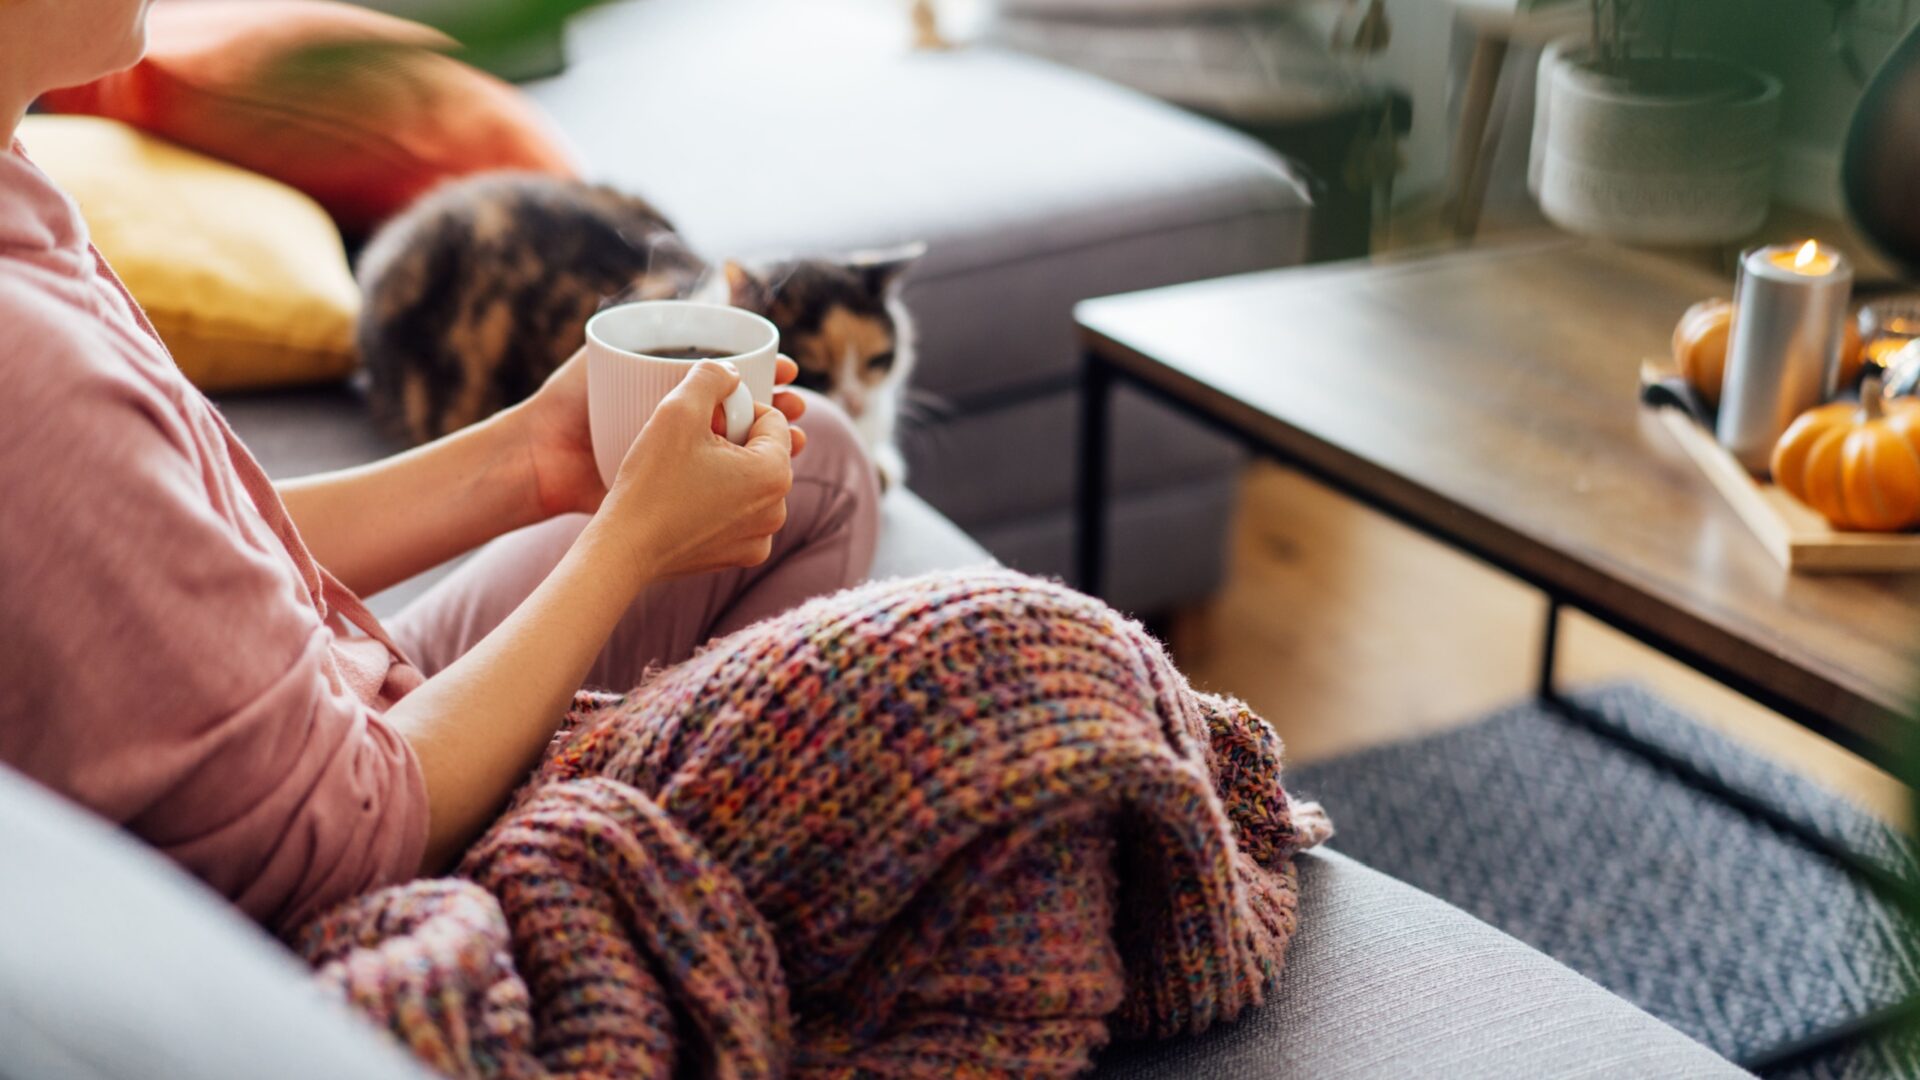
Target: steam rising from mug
point(626, 382)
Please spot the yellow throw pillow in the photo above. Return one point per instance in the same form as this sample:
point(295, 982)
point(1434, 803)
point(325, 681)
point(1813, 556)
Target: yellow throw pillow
point(245, 279)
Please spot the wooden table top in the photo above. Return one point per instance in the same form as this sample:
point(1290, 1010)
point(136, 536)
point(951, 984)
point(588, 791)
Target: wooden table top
point(1491, 397)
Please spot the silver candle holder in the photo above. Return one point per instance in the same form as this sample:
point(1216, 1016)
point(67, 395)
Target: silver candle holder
point(1784, 357)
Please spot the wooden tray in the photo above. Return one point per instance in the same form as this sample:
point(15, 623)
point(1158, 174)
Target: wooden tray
point(1794, 532)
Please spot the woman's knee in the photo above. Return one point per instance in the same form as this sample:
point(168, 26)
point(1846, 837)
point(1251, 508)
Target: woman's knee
point(439, 626)
point(834, 449)
point(833, 512)
point(835, 455)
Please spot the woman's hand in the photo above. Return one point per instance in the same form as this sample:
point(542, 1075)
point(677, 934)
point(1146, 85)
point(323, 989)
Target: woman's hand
point(688, 501)
point(559, 439)
point(685, 501)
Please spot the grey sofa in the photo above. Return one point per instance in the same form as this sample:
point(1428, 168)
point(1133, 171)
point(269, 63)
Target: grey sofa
point(782, 126)
point(114, 964)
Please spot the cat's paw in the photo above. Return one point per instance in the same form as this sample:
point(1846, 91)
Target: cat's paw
point(891, 465)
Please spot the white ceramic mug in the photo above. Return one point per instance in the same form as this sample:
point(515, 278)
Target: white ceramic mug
point(625, 383)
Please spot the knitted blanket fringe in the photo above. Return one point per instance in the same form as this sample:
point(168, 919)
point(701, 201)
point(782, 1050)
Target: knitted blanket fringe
point(965, 824)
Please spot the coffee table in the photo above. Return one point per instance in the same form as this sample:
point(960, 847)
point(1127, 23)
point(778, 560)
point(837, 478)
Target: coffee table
point(1488, 398)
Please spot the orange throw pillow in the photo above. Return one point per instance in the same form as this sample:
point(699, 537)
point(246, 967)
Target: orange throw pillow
point(364, 132)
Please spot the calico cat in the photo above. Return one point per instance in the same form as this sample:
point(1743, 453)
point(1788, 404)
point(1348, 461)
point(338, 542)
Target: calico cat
point(843, 323)
point(476, 294)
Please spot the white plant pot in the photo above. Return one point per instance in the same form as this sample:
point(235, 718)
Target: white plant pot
point(1645, 169)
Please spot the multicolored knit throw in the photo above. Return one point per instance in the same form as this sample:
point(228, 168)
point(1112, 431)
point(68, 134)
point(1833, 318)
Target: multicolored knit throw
point(962, 825)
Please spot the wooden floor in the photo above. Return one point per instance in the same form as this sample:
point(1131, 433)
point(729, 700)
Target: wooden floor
point(1346, 629)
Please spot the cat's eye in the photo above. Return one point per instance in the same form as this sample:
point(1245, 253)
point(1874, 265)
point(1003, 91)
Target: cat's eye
point(880, 361)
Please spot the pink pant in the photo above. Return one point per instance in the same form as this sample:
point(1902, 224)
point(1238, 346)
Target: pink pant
point(833, 521)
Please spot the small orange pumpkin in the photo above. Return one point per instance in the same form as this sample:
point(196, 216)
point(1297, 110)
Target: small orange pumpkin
point(1700, 346)
point(1858, 465)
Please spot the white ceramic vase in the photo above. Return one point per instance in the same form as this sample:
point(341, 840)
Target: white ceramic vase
point(1651, 169)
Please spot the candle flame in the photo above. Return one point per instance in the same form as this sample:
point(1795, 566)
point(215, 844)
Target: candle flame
point(1808, 252)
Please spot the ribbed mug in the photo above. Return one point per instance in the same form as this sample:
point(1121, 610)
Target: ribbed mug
point(626, 382)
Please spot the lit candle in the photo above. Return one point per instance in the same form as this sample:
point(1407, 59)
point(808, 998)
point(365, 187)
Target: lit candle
point(1809, 258)
point(1784, 355)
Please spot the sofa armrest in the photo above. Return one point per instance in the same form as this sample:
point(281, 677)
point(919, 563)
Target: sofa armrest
point(1386, 981)
point(116, 965)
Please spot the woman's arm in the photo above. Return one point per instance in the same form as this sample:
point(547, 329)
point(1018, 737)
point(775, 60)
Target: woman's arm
point(479, 725)
point(216, 724)
point(379, 524)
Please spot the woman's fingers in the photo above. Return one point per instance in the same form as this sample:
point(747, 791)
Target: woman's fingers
point(703, 393)
point(695, 503)
point(770, 436)
point(793, 406)
point(706, 386)
point(784, 370)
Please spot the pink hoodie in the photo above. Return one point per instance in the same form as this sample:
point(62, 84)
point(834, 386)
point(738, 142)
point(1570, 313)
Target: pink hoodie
point(173, 657)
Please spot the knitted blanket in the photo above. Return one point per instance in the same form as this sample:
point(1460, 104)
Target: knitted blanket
point(962, 824)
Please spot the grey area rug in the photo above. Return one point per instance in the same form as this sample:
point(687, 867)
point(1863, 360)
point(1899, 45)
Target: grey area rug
point(1733, 930)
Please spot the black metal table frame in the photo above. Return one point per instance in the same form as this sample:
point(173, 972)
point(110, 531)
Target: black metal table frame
point(1100, 379)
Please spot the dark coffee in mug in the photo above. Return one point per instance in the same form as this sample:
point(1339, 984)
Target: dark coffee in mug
point(688, 352)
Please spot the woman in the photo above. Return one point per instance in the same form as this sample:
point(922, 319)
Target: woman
point(185, 653)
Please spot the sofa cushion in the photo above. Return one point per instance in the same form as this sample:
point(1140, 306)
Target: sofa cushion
point(982, 460)
point(1133, 9)
point(916, 539)
point(1035, 186)
point(244, 278)
point(1385, 981)
point(226, 79)
point(1162, 544)
point(1262, 67)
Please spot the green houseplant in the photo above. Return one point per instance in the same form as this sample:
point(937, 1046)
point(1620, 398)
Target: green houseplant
point(512, 38)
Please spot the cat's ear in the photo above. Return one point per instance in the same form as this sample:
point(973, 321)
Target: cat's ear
point(744, 290)
point(882, 270)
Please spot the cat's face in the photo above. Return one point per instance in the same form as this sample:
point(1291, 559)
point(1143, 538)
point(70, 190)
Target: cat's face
point(840, 320)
